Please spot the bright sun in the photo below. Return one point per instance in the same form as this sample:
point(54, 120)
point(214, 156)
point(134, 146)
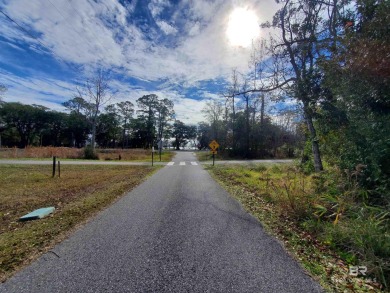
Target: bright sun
point(242, 28)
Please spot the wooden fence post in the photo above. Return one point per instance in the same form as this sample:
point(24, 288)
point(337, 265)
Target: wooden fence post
point(54, 166)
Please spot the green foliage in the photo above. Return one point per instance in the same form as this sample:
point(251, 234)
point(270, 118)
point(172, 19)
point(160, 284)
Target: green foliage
point(182, 133)
point(108, 131)
point(247, 132)
point(364, 240)
point(34, 125)
point(307, 164)
point(148, 105)
point(77, 129)
point(258, 168)
point(90, 154)
point(26, 119)
point(153, 118)
point(354, 118)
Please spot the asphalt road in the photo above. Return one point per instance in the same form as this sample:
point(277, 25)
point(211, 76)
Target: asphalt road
point(177, 232)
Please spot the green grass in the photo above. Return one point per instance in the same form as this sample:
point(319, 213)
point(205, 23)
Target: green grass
point(206, 156)
point(318, 218)
point(77, 195)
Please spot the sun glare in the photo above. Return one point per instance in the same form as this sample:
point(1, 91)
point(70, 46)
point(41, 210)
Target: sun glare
point(243, 27)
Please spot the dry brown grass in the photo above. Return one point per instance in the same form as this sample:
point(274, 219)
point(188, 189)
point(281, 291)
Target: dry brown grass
point(41, 152)
point(132, 155)
point(75, 153)
point(79, 193)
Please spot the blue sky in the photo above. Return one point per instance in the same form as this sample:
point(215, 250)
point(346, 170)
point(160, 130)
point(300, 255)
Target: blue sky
point(181, 50)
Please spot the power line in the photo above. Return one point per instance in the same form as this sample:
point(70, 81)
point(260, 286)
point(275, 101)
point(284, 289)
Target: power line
point(72, 27)
point(82, 18)
point(36, 39)
point(26, 31)
point(97, 39)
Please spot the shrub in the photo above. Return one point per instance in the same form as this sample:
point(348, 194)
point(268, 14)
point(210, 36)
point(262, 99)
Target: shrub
point(89, 153)
point(290, 194)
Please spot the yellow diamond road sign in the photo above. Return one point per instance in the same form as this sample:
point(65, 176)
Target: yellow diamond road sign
point(213, 145)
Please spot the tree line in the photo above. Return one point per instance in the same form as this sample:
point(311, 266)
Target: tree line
point(119, 125)
point(87, 122)
point(247, 130)
point(92, 119)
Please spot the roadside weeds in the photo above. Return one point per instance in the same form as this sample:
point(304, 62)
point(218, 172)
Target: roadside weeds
point(322, 262)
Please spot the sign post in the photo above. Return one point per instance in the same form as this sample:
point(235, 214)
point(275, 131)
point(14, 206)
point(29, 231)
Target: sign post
point(213, 146)
point(214, 153)
point(152, 155)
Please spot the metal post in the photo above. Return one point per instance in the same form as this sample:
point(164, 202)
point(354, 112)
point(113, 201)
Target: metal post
point(59, 169)
point(54, 166)
point(152, 155)
point(213, 159)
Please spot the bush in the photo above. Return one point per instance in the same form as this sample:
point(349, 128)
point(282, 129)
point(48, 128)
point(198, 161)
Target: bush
point(290, 194)
point(89, 153)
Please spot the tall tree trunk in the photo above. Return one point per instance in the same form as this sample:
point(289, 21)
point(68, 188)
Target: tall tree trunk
point(233, 126)
point(262, 109)
point(124, 134)
point(177, 144)
point(93, 134)
point(313, 138)
point(262, 114)
point(247, 127)
point(226, 123)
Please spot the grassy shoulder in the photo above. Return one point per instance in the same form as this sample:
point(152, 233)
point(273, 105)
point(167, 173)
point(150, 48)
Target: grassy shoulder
point(80, 193)
point(317, 220)
point(206, 156)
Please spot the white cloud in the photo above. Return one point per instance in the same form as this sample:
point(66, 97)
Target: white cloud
point(166, 28)
point(205, 10)
point(96, 34)
point(41, 91)
point(194, 28)
point(157, 6)
point(189, 110)
point(50, 92)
